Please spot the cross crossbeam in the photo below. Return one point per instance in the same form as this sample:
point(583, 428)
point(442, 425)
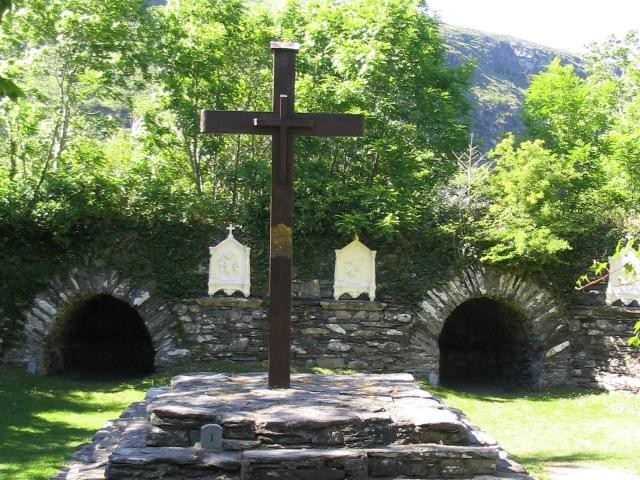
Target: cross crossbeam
point(323, 124)
point(283, 123)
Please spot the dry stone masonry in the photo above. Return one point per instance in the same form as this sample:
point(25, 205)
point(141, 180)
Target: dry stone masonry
point(597, 349)
point(538, 342)
point(48, 311)
point(323, 428)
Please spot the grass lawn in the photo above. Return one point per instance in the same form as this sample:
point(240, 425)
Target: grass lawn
point(44, 420)
point(557, 427)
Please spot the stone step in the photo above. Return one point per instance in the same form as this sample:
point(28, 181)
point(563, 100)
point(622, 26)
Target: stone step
point(306, 419)
point(407, 461)
point(331, 464)
point(431, 461)
point(318, 412)
point(331, 427)
point(171, 463)
point(307, 427)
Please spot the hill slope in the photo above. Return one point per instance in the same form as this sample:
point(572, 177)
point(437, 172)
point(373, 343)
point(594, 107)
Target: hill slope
point(504, 66)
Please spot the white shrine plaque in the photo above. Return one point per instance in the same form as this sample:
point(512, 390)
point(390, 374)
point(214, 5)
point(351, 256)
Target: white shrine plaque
point(355, 271)
point(624, 285)
point(229, 267)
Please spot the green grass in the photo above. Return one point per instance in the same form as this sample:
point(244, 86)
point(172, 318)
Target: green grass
point(557, 427)
point(44, 420)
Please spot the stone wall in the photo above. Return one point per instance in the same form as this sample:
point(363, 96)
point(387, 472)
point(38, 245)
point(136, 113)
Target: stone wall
point(598, 352)
point(368, 336)
point(49, 307)
point(583, 345)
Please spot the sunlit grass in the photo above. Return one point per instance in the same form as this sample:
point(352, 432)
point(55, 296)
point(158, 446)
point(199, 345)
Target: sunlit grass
point(557, 427)
point(44, 420)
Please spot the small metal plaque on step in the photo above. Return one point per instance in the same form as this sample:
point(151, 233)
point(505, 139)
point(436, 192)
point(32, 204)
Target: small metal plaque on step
point(211, 437)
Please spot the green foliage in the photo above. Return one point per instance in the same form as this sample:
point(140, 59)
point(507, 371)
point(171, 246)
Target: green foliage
point(7, 87)
point(566, 111)
point(634, 341)
point(462, 205)
point(102, 164)
point(205, 54)
point(540, 202)
point(386, 60)
point(601, 271)
point(569, 191)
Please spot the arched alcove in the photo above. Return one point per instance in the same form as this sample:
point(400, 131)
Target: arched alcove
point(483, 343)
point(518, 321)
point(100, 336)
point(38, 351)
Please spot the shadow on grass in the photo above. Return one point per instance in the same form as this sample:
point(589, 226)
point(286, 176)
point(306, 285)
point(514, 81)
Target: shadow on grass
point(538, 463)
point(541, 459)
point(42, 418)
point(499, 395)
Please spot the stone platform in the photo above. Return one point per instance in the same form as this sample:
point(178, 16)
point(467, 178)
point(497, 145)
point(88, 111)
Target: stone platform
point(324, 428)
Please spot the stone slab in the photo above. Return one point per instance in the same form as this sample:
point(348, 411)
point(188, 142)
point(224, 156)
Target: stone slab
point(319, 410)
point(432, 461)
point(353, 305)
point(229, 302)
point(304, 465)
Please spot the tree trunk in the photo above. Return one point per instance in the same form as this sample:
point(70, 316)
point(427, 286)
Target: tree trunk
point(62, 141)
point(236, 162)
point(194, 159)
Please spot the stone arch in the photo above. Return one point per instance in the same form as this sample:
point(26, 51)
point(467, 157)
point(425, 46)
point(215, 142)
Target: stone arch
point(43, 314)
point(98, 336)
point(542, 323)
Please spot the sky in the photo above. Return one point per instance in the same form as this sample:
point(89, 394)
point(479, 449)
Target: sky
point(563, 24)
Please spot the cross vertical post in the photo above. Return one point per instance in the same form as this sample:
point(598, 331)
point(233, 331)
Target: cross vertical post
point(281, 237)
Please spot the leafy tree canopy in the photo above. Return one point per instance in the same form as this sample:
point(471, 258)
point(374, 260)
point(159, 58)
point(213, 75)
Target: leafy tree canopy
point(569, 191)
point(101, 160)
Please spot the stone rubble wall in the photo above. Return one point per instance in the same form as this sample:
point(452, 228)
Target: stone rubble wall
point(589, 351)
point(367, 336)
point(48, 308)
point(598, 352)
point(582, 345)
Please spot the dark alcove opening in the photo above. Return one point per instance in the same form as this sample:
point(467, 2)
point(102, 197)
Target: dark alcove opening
point(483, 345)
point(100, 337)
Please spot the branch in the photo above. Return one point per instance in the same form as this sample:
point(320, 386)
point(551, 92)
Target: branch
point(601, 278)
point(595, 281)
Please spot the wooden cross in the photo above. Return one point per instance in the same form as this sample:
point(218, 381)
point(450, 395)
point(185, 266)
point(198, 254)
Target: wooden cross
point(283, 123)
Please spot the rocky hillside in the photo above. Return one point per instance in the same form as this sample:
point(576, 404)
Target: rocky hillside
point(504, 66)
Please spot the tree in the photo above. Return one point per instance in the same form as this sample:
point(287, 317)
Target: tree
point(75, 57)
point(7, 87)
point(386, 60)
point(107, 146)
point(205, 54)
point(566, 111)
point(464, 195)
